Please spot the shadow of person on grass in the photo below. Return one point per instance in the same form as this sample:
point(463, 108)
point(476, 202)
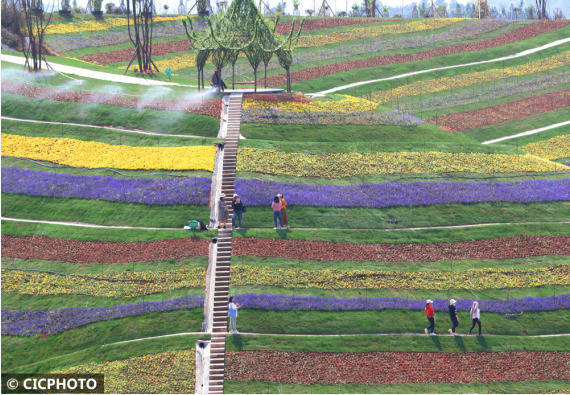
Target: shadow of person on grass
point(436, 342)
point(460, 344)
point(237, 341)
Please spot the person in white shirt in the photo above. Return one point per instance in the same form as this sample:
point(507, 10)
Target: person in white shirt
point(475, 316)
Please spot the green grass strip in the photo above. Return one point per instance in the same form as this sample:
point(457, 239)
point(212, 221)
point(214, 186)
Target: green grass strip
point(498, 387)
point(84, 345)
point(103, 114)
point(422, 343)
point(101, 212)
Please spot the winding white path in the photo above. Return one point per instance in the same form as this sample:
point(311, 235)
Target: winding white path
point(527, 133)
point(394, 77)
point(98, 75)
point(82, 125)
point(325, 335)
point(89, 225)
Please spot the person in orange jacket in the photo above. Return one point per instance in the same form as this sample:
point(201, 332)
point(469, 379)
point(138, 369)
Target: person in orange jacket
point(283, 210)
point(430, 314)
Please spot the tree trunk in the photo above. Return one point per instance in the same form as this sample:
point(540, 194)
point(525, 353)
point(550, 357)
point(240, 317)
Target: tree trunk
point(265, 76)
point(198, 78)
point(288, 79)
point(233, 74)
point(255, 80)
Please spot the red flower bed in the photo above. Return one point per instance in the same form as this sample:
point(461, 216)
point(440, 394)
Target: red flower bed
point(500, 248)
point(76, 251)
point(31, 247)
point(327, 23)
point(516, 35)
point(211, 107)
point(459, 121)
point(278, 97)
point(124, 55)
point(395, 367)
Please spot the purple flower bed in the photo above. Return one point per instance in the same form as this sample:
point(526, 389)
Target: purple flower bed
point(260, 192)
point(33, 322)
point(322, 303)
point(166, 191)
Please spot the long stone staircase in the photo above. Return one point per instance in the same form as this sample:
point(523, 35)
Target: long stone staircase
point(224, 251)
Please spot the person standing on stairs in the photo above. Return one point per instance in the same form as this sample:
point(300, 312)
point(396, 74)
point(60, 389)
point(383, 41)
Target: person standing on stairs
point(233, 313)
point(223, 213)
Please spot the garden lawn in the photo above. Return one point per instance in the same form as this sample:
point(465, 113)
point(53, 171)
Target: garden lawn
point(101, 212)
point(114, 137)
point(38, 355)
point(106, 115)
point(507, 387)
point(409, 216)
point(398, 321)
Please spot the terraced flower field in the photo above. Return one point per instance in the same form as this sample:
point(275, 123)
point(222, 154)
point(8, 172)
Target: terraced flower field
point(392, 199)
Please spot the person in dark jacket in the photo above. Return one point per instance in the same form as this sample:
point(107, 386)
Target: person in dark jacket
point(430, 314)
point(223, 213)
point(217, 80)
point(453, 316)
point(239, 209)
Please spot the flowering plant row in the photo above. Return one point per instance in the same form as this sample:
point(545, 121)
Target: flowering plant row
point(259, 192)
point(458, 81)
point(396, 367)
point(328, 23)
point(554, 148)
point(165, 191)
point(485, 93)
point(164, 373)
point(368, 279)
point(67, 250)
point(267, 115)
point(338, 165)
point(96, 25)
point(196, 190)
point(520, 34)
point(344, 104)
point(359, 33)
point(33, 322)
point(207, 106)
point(500, 113)
point(76, 251)
point(126, 284)
point(132, 284)
point(93, 154)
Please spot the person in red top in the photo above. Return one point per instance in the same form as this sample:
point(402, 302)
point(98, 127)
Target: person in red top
point(430, 314)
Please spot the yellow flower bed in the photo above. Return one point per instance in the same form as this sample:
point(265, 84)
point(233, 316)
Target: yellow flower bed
point(348, 104)
point(92, 154)
point(374, 31)
point(176, 63)
point(167, 373)
point(554, 148)
point(97, 25)
point(462, 80)
point(127, 284)
point(130, 284)
point(338, 165)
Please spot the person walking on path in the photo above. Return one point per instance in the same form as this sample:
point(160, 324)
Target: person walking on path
point(430, 314)
point(223, 213)
point(283, 210)
point(453, 316)
point(233, 313)
point(475, 314)
point(239, 209)
point(217, 81)
point(277, 206)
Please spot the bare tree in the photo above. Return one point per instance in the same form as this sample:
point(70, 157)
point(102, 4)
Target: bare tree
point(140, 16)
point(33, 30)
point(541, 9)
